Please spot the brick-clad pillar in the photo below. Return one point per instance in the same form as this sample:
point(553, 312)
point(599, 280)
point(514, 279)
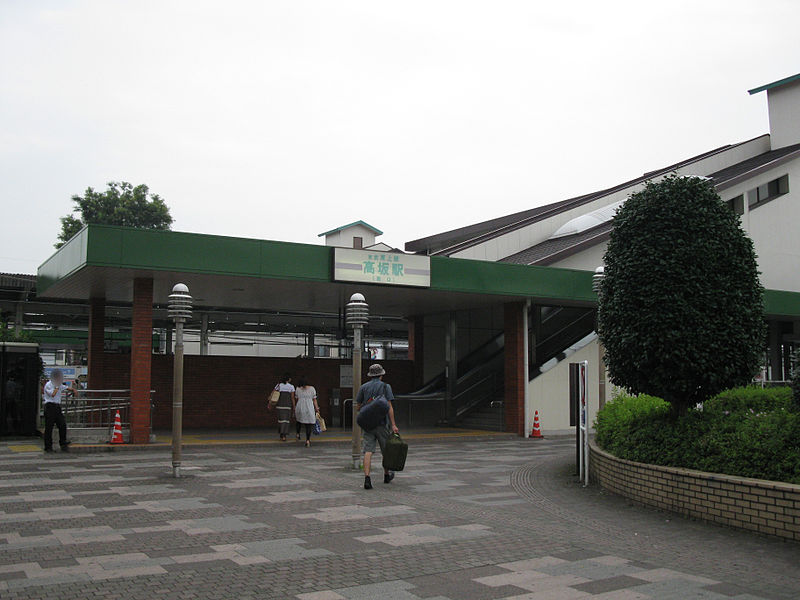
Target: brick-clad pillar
point(141, 359)
point(415, 346)
point(514, 404)
point(97, 332)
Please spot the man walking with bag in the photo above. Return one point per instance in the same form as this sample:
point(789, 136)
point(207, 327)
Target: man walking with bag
point(375, 417)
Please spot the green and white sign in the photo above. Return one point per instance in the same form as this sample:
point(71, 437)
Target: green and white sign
point(388, 268)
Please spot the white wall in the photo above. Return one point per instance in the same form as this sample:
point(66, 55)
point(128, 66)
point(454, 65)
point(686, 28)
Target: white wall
point(525, 237)
point(774, 228)
point(585, 260)
point(549, 393)
point(784, 115)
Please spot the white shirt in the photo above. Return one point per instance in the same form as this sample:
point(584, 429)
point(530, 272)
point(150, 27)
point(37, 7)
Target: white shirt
point(284, 387)
point(53, 393)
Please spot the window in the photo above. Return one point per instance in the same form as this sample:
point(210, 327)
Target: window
point(358, 242)
point(768, 191)
point(737, 204)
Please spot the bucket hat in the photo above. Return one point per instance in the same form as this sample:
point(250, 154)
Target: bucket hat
point(376, 371)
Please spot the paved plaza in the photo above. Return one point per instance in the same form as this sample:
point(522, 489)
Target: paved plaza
point(476, 519)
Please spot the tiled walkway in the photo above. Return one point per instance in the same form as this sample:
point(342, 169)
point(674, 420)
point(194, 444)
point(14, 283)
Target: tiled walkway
point(481, 519)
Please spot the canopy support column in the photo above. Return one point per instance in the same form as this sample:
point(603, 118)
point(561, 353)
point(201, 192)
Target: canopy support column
point(97, 329)
point(141, 359)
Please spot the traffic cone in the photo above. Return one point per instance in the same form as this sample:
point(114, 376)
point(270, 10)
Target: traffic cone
point(537, 431)
point(117, 437)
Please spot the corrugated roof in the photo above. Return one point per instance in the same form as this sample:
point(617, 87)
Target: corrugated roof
point(452, 241)
point(752, 166)
point(555, 249)
point(17, 280)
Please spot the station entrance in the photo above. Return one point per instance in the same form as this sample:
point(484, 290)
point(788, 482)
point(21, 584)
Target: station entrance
point(482, 339)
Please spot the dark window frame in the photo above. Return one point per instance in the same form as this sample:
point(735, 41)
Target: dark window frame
point(736, 204)
point(766, 192)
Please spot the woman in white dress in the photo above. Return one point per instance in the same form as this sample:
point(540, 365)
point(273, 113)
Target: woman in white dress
point(306, 407)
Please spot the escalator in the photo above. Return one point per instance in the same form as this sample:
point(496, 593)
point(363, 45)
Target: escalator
point(480, 381)
point(561, 327)
point(477, 401)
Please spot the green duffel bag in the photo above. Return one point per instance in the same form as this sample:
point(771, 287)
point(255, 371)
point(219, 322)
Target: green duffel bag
point(394, 455)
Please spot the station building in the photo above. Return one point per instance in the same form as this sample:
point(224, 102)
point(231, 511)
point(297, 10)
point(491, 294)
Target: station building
point(492, 313)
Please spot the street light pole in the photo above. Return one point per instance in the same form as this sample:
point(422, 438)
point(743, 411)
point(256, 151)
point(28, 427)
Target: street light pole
point(179, 309)
point(357, 315)
point(597, 279)
point(597, 287)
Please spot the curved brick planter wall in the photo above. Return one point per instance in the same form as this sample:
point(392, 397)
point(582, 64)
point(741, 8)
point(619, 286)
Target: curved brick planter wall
point(768, 507)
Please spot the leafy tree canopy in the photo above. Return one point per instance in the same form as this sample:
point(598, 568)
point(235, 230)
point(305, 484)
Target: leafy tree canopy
point(681, 305)
point(120, 204)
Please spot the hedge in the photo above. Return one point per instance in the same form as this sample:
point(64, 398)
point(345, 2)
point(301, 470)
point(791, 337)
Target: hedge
point(749, 432)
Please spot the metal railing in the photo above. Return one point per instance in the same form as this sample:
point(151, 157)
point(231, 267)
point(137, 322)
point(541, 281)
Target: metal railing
point(90, 414)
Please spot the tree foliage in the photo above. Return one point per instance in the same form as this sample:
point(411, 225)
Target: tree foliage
point(681, 306)
point(120, 204)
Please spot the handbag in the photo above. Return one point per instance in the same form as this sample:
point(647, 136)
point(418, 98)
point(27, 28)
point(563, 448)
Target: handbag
point(395, 453)
point(274, 396)
point(317, 427)
point(322, 427)
point(374, 412)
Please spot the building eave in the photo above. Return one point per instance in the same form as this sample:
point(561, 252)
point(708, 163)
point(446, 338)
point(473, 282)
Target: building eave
point(774, 84)
point(375, 230)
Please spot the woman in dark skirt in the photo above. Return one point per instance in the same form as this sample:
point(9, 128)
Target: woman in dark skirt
point(285, 405)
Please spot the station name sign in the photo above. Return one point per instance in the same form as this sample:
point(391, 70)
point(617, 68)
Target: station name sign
point(386, 268)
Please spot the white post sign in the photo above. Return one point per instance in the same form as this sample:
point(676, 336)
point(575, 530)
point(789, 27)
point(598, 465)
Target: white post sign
point(345, 376)
point(583, 424)
point(387, 268)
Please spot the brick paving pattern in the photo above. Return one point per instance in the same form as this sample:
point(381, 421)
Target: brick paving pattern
point(497, 519)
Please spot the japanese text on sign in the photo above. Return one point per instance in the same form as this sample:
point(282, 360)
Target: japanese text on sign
point(387, 268)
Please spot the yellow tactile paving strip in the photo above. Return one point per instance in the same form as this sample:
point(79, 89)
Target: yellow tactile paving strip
point(267, 438)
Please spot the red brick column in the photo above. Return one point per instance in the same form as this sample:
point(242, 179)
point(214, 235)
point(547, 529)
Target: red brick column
point(141, 359)
point(97, 329)
point(514, 404)
point(415, 348)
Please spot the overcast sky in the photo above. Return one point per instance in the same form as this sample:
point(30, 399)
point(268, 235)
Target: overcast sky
point(281, 120)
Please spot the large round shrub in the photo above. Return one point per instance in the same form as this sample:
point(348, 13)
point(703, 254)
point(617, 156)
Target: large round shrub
point(681, 310)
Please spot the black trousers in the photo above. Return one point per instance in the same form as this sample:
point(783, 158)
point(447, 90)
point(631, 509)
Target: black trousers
point(309, 429)
point(54, 416)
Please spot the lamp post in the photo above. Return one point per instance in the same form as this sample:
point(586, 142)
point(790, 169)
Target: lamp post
point(179, 309)
point(357, 316)
point(597, 280)
point(597, 286)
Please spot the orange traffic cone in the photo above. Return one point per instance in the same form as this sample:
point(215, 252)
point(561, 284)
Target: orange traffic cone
point(537, 432)
point(117, 437)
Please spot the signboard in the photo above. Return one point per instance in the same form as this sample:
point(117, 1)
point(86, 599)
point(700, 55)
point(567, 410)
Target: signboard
point(386, 268)
point(71, 374)
point(346, 376)
point(583, 424)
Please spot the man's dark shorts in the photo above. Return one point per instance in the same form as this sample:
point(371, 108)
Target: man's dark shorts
point(380, 435)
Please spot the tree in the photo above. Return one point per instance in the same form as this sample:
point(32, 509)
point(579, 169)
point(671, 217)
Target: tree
point(681, 305)
point(120, 204)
